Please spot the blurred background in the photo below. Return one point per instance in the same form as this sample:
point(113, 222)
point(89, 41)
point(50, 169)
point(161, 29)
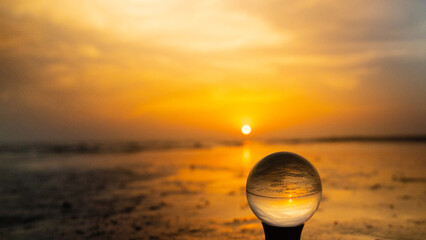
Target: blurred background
point(123, 119)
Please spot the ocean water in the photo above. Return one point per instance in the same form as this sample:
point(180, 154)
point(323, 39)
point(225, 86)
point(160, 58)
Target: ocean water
point(371, 190)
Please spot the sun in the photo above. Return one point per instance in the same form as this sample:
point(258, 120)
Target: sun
point(246, 129)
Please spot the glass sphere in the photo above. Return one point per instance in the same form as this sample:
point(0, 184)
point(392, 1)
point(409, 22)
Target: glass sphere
point(284, 189)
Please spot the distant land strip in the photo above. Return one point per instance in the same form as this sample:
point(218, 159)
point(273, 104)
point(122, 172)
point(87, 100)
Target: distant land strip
point(135, 146)
point(96, 147)
point(391, 138)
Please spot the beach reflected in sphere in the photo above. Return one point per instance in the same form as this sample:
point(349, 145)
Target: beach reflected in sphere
point(284, 189)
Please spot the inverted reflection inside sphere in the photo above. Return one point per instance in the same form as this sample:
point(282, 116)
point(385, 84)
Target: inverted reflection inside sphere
point(284, 189)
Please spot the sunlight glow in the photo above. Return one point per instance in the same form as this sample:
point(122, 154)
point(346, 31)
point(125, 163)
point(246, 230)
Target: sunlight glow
point(246, 129)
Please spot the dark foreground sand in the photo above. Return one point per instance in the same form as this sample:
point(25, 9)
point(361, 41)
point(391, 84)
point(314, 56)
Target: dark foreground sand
point(370, 191)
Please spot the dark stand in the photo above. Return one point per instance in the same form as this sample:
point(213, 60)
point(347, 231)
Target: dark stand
point(282, 233)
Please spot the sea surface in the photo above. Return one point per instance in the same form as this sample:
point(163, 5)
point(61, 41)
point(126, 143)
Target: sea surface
point(195, 190)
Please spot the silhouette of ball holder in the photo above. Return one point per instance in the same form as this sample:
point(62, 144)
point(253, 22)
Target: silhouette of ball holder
point(283, 191)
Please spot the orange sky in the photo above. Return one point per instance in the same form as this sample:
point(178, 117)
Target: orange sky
point(151, 69)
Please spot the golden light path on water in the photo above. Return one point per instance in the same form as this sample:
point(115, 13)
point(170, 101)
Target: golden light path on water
point(227, 190)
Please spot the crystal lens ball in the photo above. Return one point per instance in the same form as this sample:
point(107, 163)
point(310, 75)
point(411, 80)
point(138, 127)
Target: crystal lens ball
point(284, 189)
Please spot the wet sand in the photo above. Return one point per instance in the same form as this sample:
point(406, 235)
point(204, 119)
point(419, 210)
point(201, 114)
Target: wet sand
point(370, 191)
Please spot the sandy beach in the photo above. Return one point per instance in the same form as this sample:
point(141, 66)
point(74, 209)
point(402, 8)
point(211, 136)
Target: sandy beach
point(370, 191)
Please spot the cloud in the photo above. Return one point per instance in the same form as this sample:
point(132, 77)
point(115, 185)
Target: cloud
point(81, 69)
point(345, 22)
